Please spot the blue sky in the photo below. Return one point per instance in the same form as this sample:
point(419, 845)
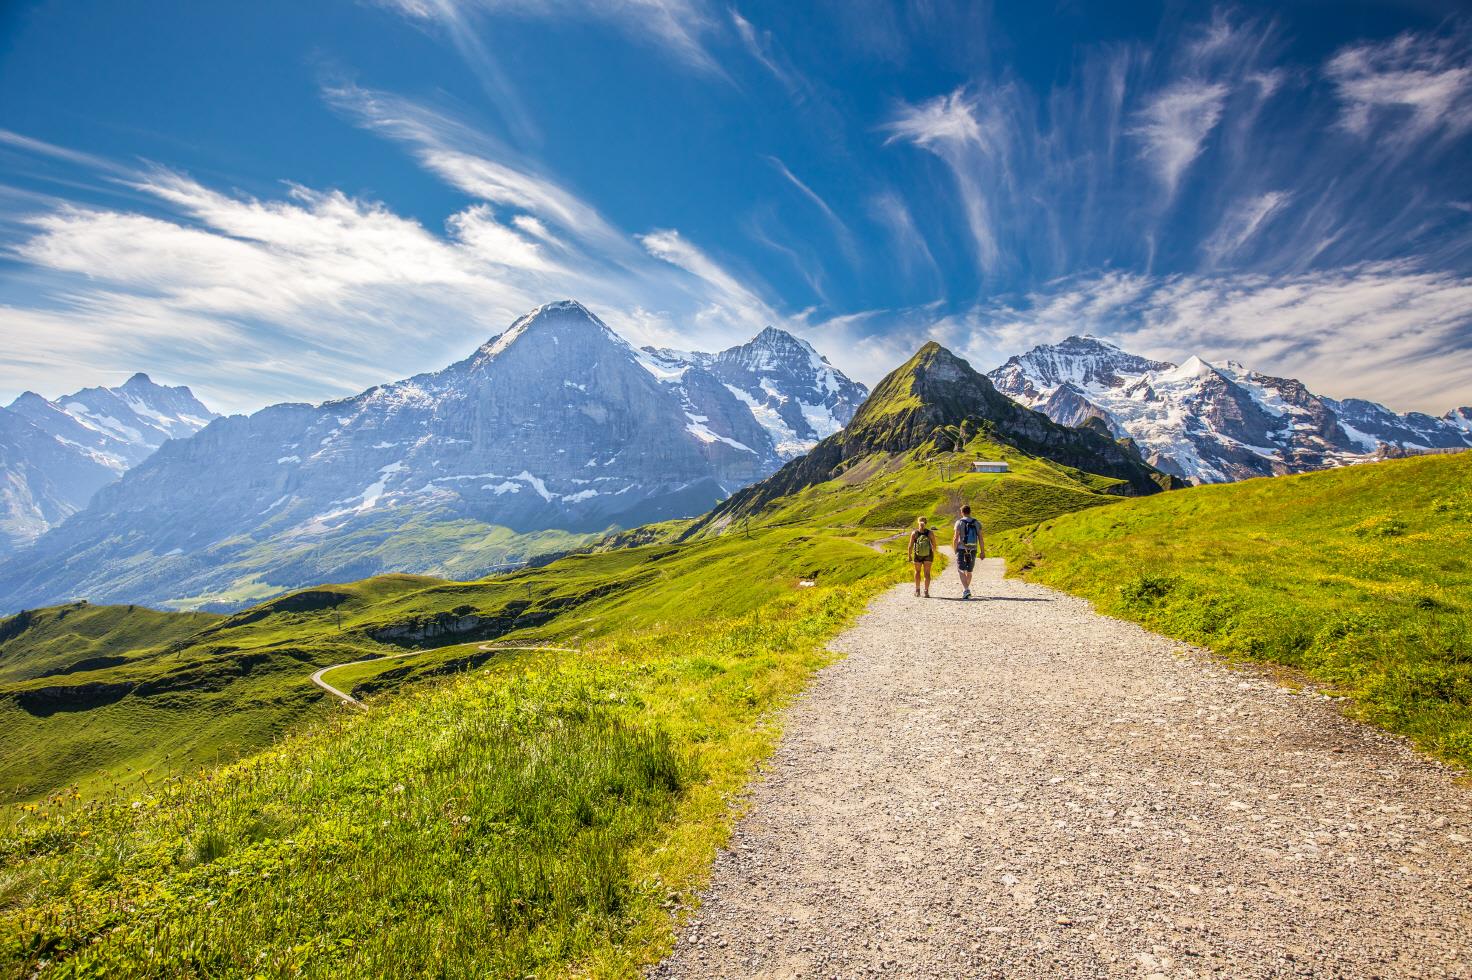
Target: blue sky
point(293, 201)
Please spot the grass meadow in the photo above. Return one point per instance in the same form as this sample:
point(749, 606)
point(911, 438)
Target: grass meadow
point(1360, 579)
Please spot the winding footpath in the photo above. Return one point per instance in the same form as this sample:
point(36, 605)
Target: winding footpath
point(318, 678)
point(1019, 787)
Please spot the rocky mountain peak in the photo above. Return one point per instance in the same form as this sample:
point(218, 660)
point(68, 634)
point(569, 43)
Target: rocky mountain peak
point(932, 390)
point(1210, 423)
point(565, 321)
point(28, 398)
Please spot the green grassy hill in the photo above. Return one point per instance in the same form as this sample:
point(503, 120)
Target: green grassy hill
point(496, 813)
point(76, 637)
point(1360, 578)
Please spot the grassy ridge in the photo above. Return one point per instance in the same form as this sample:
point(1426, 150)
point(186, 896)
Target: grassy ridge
point(154, 694)
point(80, 636)
point(1359, 577)
point(888, 491)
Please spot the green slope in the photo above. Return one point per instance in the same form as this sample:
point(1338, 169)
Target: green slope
point(1358, 577)
point(80, 636)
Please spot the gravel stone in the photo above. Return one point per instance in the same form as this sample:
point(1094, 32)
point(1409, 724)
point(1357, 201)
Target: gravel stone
point(1017, 786)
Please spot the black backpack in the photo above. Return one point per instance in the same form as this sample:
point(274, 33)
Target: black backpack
point(970, 533)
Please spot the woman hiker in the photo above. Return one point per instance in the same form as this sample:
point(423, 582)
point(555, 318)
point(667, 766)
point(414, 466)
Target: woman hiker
point(922, 553)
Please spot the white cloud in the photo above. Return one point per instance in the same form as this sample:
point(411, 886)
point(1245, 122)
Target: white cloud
point(319, 294)
point(1174, 126)
point(944, 121)
point(471, 162)
point(910, 247)
point(1425, 82)
point(677, 26)
point(670, 246)
point(1241, 223)
point(840, 230)
point(951, 127)
point(1386, 331)
point(760, 46)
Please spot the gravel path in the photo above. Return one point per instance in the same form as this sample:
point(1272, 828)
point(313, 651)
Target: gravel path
point(1019, 787)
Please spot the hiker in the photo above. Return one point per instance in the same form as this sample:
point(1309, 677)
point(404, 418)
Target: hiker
point(922, 553)
point(968, 543)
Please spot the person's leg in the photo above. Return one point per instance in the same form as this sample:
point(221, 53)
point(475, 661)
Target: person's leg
point(917, 577)
point(927, 580)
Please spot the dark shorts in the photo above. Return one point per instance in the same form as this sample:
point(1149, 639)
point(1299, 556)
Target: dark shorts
point(965, 559)
point(926, 560)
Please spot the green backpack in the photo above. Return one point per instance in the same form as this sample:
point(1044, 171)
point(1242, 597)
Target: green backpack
point(922, 547)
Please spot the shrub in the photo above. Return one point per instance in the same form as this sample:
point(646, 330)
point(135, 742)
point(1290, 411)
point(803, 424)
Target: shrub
point(1147, 589)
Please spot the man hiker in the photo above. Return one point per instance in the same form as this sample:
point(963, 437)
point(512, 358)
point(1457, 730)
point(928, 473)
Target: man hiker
point(922, 553)
point(968, 543)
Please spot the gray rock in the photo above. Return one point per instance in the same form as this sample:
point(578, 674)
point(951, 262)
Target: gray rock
point(54, 455)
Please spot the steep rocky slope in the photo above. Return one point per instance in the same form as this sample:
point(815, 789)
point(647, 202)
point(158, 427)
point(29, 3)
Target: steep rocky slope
point(54, 455)
point(1210, 424)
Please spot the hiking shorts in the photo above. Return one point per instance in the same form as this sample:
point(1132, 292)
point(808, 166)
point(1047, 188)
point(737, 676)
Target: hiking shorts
point(966, 559)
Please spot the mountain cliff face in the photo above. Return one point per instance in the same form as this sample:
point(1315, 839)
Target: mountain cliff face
point(54, 455)
point(788, 388)
point(936, 389)
point(1211, 424)
point(557, 423)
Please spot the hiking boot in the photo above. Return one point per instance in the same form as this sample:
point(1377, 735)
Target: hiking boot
point(917, 593)
point(927, 594)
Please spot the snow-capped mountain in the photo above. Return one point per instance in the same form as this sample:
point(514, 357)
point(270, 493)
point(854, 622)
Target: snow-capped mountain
point(790, 389)
point(54, 455)
point(1208, 423)
point(556, 424)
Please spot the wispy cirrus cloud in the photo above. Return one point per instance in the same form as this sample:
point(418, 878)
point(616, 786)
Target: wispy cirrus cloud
point(1422, 83)
point(309, 294)
point(841, 231)
point(911, 249)
point(951, 127)
point(1389, 331)
point(1241, 223)
point(677, 26)
point(731, 294)
point(1174, 125)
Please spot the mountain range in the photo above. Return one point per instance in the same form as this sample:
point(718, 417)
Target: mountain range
point(555, 428)
point(1212, 423)
point(54, 455)
point(937, 395)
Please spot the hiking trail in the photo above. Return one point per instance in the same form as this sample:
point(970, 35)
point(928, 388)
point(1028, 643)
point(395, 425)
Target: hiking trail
point(1020, 787)
point(319, 677)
